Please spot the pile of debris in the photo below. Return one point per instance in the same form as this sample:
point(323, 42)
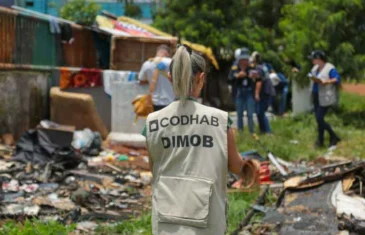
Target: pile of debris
point(325, 196)
point(51, 175)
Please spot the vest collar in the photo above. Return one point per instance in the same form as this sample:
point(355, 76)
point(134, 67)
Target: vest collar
point(189, 98)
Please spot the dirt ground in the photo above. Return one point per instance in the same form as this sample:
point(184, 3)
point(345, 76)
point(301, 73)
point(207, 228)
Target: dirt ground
point(354, 88)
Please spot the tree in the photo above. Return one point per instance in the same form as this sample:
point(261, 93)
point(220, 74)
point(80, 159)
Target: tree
point(131, 9)
point(204, 21)
point(80, 11)
point(224, 25)
point(335, 26)
point(281, 30)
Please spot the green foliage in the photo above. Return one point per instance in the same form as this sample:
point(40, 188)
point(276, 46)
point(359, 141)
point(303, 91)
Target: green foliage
point(131, 10)
point(80, 11)
point(281, 30)
point(223, 25)
point(206, 22)
point(335, 26)
point(35, 227)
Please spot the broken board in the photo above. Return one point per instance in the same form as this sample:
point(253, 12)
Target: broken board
point(306, 212)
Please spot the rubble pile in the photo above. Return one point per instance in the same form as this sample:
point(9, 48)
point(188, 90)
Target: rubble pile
point(325, 196)
point(54, 181)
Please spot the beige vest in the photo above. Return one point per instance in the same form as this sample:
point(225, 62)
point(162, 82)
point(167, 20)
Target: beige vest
point(327, 94)
point(188, 147)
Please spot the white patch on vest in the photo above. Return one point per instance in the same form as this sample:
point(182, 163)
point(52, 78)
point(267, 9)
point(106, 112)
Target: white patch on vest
point(182, 120)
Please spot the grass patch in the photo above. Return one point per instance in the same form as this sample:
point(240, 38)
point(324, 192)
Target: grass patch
point(238, 207)
point(348, 122)
point(35, 227)
point(239, 203)
point(141, 226)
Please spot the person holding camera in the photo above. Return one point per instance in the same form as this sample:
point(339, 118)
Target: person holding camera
point(247, 81)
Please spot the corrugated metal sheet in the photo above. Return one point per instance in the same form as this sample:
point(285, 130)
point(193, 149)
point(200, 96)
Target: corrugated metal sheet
point(7, 36)
point(24, 40)
point(27, 39)
point(46, 47)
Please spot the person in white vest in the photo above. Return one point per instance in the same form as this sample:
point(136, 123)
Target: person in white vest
point(163, 93)
point(191, 148)
point(325, 94)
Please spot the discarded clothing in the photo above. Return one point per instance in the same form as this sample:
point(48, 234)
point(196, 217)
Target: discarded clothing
point(54, 27)
point(66, 33)
point(80, 78)
point(33, 147)
point(36, 147)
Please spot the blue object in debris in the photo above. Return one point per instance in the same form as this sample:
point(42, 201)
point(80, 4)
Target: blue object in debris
point(252, 154)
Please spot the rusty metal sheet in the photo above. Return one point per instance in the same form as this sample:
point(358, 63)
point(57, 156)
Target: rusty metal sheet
point(81, 52)
point(307, 212)
point(129, 53)
point(7, 35)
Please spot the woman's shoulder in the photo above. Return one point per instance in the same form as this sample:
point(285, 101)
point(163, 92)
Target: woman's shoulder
point(330, 66)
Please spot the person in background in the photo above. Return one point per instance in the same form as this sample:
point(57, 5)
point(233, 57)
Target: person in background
point(245, 79)
point(191, 148)
point(232, 83)
point(266, 92)
point(325, 93)
point(281, 86)
point(163, 93)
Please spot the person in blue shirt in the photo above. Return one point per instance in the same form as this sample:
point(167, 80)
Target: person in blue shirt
point(325, 94)
point(247, 81)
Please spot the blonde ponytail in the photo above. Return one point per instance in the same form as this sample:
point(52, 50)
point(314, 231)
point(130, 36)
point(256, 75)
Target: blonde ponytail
point(183, 68)
point(182, 73)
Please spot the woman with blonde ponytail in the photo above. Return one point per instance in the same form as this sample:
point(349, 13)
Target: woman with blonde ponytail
point(191, 148)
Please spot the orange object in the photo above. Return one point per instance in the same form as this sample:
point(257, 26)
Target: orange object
point(80, 80)
point(250, 173)
point(65, 78)
point(264, 173)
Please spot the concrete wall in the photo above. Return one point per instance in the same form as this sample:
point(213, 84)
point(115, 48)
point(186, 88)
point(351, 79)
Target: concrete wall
point(23, 100)
point(123, 116)
point(301, 99)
